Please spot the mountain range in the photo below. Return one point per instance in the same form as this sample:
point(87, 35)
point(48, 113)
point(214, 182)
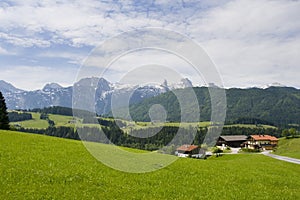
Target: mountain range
point(53, 94)
point(274, 103)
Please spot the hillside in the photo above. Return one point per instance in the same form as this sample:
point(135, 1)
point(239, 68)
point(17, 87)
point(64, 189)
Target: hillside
point(41, 167)
point(277, 105)
point(289, 147)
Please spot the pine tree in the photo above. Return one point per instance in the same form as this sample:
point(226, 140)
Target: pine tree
point(4, 121)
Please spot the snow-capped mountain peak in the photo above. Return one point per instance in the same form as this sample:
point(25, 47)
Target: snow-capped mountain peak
point(7, 87)
point(54, 94)
point(276, 84)
point(51, 86)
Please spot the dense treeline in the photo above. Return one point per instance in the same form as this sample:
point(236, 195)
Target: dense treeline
point(16, 117)
point(146, 138)
point(54, 110)
point(235, 130)
point(58, 110)
point(62, 132)
point(159, 137)
point(275, 105)
point(249, 120)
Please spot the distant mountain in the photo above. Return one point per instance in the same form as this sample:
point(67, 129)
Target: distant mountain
point(278, 105)
point(276, 84)
point(51, 86)
point(54, 94)
point(8, 88)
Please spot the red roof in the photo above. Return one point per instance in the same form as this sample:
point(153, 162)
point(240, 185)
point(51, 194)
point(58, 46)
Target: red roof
point(187, 147)
point(264, 137)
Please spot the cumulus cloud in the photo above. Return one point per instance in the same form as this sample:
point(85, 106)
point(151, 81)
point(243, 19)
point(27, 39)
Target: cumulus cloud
point(251, 41)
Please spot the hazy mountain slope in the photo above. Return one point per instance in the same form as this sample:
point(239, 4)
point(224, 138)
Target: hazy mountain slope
point(280, 105)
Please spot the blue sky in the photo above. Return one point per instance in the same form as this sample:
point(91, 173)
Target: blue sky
point(252, 42)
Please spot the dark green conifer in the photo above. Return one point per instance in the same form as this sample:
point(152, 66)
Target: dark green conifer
point(4, 120)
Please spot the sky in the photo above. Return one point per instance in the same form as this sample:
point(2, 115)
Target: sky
point(251, 42)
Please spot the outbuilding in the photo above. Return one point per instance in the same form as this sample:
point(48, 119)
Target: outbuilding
point(188, 151)
point(231, 140)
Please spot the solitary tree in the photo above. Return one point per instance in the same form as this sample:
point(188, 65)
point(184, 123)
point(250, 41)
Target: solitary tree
point(293, 132)
point(285, 133)
point(4, 121)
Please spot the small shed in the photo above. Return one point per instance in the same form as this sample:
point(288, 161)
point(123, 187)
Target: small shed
point(187, 150)
point(232, 140)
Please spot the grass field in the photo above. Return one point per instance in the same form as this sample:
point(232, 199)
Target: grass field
point(144, 125)
point(61, 120)
point(250, 126)
point(35, 122)
point(42, 167)
point(289, 147)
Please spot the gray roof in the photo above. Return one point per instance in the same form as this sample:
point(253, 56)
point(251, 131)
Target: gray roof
point(234, 137)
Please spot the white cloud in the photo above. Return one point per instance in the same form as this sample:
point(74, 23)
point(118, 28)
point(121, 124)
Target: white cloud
point(251, 41)
point(3, 51)
point(20, 40)
point(251, 20)
point(75, 58)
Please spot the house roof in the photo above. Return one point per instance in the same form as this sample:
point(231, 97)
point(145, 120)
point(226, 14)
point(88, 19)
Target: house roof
point(187, 147)
point(231, 138)
point(264, 137)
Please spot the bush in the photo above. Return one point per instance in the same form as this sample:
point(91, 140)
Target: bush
point(217, 151)
point(251, 150)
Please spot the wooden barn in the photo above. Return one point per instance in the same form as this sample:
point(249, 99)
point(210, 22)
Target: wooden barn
point(231, 140)
point(190, 151)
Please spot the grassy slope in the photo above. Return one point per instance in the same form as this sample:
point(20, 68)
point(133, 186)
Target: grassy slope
point(35, 122)
point(41, 167)
point(61, 120)
point(289, 147)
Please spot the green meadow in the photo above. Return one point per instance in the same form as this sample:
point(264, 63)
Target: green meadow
point(289, 147)
point(43, 167)
point(69, 121)
point(61, 120)
point(35, 122)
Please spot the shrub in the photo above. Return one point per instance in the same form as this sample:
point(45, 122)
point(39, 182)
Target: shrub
point(250, 150)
